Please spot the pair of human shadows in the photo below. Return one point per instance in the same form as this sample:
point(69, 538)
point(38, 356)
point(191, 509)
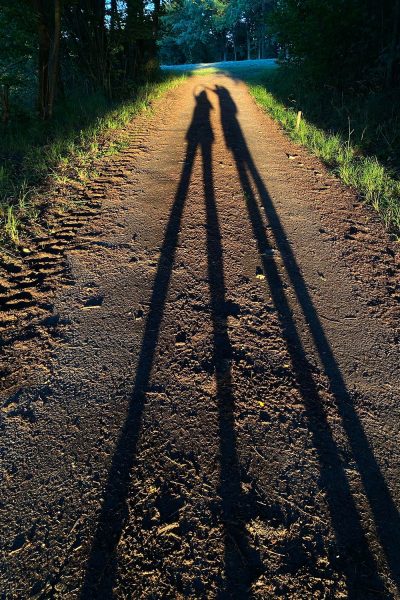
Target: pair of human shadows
point(357, 562)
point(241, 562)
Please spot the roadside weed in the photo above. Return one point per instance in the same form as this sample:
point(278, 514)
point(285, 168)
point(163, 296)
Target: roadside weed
point(11, 224)
point(366, 173)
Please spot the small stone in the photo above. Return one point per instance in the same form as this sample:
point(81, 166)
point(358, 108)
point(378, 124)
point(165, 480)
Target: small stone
point(93, 302)
point(180, 339)
point(18, 542)
point(139, 314)
point(260, 273)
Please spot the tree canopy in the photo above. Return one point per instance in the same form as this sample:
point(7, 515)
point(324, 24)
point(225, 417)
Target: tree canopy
point(96, 44)
point(212, 30)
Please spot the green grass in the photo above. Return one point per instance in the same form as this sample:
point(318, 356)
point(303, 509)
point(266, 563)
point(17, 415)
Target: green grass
point(205, 71)
point(64, 150)
point(11, 224)
point(341, 139)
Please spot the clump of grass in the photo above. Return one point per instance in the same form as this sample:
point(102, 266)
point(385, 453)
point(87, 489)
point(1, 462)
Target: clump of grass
point(17, 210)
point(66, 149)
point(367, 174)
point(12, 224)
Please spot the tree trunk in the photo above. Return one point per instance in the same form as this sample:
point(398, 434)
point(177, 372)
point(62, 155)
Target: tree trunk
point(113, 15)
point(134, 34)
point(262, 30)
point(43, 57)
point(54, 59)
point(49, 37)
point(248, 42)
point(5, 101)
point(156, 18)
point(95, 36)
point(391, 68)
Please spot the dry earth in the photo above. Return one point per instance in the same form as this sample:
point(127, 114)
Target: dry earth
point(201, 374)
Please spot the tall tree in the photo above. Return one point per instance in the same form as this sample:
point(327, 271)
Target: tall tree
point(49, 34)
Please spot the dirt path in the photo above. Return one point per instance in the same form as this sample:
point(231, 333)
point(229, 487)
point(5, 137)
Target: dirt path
point(210, 406)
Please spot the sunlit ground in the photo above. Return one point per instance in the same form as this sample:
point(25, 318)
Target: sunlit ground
point(281, 94)
point(238, 68)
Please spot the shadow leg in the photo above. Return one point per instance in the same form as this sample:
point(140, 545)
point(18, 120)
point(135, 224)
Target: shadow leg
point(242, 564)
point(385, 513)
point(346, 520)
point(101, 567)
point(359, 565)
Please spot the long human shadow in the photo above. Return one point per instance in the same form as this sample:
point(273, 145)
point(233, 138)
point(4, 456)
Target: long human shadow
point(358, 563)
point(241, 562)
point(101, 566)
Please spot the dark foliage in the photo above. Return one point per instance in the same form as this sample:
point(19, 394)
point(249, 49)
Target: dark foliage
point(49, 48)
point(352, 43)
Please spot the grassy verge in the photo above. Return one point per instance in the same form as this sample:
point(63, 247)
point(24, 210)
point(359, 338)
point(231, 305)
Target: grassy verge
point(346, 153)
point(32, 153)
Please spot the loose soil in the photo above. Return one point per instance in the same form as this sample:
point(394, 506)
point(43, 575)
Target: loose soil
point(201, 374)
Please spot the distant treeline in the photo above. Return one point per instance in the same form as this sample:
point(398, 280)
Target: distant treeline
point(48, 47)
point(215, 30)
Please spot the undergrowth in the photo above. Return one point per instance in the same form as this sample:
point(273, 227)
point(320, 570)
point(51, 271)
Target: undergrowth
point(65, 149)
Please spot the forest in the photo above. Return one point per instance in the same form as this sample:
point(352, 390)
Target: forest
point(56, 46)
point(49, 48)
